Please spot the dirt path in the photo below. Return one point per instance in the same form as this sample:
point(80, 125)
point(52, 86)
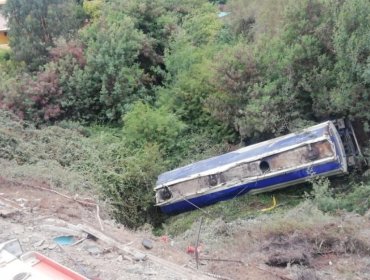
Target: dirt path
point(36, 217)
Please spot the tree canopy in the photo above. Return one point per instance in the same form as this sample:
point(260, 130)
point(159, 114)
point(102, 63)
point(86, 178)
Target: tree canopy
point(36, 25)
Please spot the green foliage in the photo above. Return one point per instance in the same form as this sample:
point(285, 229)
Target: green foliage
point(4, 54)
point(351, 43)
point(28, 154)
point(10, 88)
point(112, 78)
point(256, 79)
point(189, 62)
point(355, 197)
point(243, 207)
point(235, 75)
point(323, 195)
point(179, 84)
point(253, 19)
point(126, 176)
point(149, 125)
point(102, 164)
point(93, 8)
point(202, 25)
point(35, 25)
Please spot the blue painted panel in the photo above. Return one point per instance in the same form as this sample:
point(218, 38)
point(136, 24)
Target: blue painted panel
point(239, 155)
point(208, 199)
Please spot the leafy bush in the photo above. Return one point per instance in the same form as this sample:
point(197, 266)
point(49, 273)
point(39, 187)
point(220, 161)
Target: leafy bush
point(355, 198)
point(93, 8)
point(103, 164)
point(149, 125)
point(323, 195)
point(351, 44)
point(126, 176)
point(4, 54)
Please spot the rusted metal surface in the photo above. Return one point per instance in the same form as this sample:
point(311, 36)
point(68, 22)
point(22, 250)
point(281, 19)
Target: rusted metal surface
point(281, 161)
point(326, 149)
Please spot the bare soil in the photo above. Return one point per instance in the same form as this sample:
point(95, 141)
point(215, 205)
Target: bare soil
point(336, 249)
point(34, 217)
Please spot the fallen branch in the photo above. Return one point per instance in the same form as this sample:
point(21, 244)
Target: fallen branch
point(197, 243)
point(82, 202)
point(216, 276)
point(10, 203)
point(98, 216)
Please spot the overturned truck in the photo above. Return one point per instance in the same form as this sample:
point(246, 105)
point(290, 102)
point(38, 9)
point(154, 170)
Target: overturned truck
point(326, 149)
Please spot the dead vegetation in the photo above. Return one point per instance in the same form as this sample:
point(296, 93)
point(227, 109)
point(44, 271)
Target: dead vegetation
point(302, 243)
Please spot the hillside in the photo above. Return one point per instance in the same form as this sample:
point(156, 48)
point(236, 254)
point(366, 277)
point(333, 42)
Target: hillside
point(41, 168)
point(97, 98)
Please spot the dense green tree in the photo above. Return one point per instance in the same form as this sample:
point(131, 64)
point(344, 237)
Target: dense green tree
point(189, 62)
point(112, 74)
point(93, 8)
point(35, 25)
point(352, 69)
point(253, 19)
point(256, 79)
point(159, 20)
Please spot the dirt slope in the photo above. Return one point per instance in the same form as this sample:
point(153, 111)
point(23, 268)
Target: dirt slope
point(37, 216)
point(302, 244)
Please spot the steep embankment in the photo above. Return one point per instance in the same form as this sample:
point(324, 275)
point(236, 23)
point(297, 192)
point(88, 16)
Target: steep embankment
point(293, 241)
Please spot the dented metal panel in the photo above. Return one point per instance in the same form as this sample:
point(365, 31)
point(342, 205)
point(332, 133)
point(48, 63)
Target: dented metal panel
point(248, 153)
point(265, 166)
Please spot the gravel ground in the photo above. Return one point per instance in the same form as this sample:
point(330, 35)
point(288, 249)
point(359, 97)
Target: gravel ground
point(36, 217)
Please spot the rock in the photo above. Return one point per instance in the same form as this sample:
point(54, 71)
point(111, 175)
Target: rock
point(8, 212)
point(44, 246)
point(139, 257)
point(39, 243)
point(93, 250)
point(120, 258)
point(134, 269)
point(147, 243)
point(19, 230)
point(52, 246)
point(150, 272)
point(25, 240)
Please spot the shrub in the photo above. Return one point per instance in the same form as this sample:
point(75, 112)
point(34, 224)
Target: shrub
point(127, 176)
point(144, 124)
point(355, 198)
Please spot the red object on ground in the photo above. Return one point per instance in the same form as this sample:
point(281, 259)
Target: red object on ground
point(165, 238)
point(54, 270)
point(32, 265)
point(191, 249)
